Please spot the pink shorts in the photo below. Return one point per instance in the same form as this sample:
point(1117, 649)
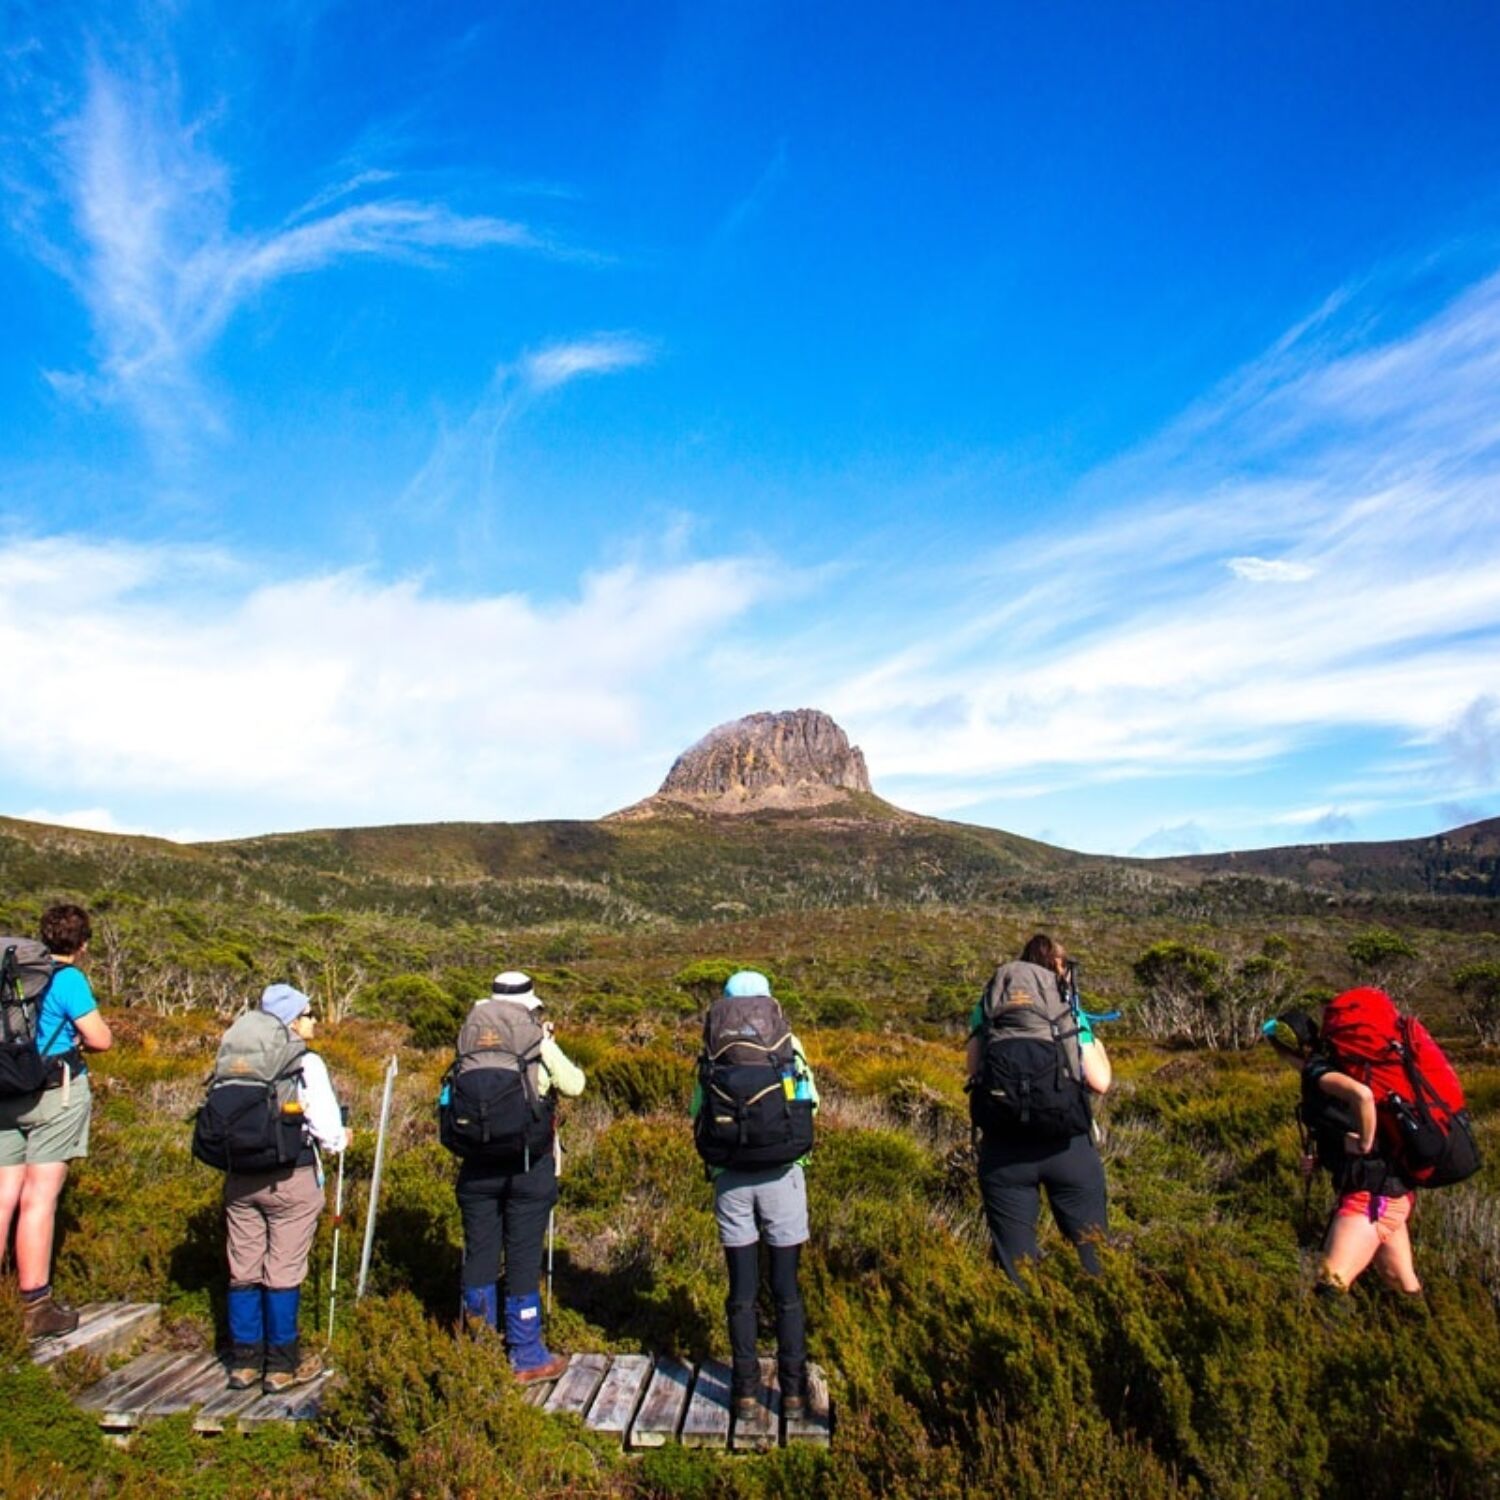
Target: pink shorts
point(1387, 1214)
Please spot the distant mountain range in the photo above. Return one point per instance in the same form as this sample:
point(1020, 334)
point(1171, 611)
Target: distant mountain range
point(773, 812)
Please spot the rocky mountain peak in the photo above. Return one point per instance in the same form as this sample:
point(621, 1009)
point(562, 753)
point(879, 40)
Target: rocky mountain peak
point(800, 758)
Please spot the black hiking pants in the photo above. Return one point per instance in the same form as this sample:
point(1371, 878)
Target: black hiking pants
point(791, 1317)
point(1011, 1177)
point(506, 1210)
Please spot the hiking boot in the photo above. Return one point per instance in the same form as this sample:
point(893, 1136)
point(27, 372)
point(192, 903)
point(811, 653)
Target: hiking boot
point(243, 1377)
point(47, 1317)
point(745, 1408)
point(309, 1367)
point(553, 1367)
point(794, 1405)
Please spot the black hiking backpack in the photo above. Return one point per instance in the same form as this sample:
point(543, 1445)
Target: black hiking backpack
point(1030, 1082)
point(251, 1118)
point(750, 1115)
point(1325, 1122)
point(26, 969)
point(491, 1107)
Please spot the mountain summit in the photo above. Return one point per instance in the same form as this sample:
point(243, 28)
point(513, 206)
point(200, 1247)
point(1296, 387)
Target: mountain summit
point(764, 761)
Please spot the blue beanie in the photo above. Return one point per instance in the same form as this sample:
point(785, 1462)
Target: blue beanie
point(283, 1002)
point(746, 983)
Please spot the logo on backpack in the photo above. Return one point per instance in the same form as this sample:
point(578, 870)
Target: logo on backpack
point(1422, 1125)
point(251, 1118)
point(491, 1107)
point(26, 969)
point(756, 1108)
point(1030, 1084)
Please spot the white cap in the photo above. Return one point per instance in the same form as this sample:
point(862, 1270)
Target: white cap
point(514, 985)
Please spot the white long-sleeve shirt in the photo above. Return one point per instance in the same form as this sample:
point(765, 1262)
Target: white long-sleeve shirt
point(321, 1116)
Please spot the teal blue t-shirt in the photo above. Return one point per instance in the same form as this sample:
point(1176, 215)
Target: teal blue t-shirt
point(68, 997)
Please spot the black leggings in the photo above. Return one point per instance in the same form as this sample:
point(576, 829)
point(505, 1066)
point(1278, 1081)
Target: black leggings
point(791, 1319)
point(1011, 1177)
point(509, 1209)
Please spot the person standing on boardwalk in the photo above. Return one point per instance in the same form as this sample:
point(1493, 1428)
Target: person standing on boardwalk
point(1034, 1065)
point(496, 1113)
point(270, 1113)
point(40, 1133)
point(752, 1112)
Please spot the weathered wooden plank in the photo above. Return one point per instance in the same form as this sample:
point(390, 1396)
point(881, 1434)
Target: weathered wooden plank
point(665, 1401)
point(706, 1422)
point(104, 1392)
point(300, 1404)
point(620, 1393)
point(817, 1424)
point(537, 1392)
point(126, 1408)
point(219, 1411)
point(577, 1384)
point(104, 1328)
point(206, 1381)
point(763, 1430)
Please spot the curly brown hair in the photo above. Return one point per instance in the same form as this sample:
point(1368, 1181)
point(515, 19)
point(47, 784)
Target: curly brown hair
point(65, 929)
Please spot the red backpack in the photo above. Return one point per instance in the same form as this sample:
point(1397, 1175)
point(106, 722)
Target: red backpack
point(1422, 1127)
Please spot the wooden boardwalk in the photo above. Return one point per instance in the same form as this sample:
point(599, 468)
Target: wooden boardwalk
point(645, 1402)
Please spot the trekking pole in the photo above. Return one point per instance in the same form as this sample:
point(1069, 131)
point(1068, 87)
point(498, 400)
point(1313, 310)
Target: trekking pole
point(552, 1221)
point(338, 1224)
point(385, 1118)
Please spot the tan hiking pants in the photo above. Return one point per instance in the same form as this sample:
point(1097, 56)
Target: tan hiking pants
point(270, 1219)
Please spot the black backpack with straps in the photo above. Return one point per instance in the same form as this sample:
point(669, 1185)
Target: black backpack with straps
point(26, 970)
point(251, 1118)
point(491, 1107)
point(1030, 1084)
point(750, 1114)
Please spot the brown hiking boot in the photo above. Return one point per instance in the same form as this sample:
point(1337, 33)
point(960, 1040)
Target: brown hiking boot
point(549, 1371)
point(794, 1405)
point(309, 1367)
point(745, 1408)
point(46, 1318)
point(242, 1377)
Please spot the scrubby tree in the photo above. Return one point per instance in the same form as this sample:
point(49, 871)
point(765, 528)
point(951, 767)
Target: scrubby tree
point(1381, 957)
point(1478, 987)
point(1179, 984)
point(1194, 994)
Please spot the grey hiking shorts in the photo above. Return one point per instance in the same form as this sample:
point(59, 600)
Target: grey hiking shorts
point(48, 1127)
point(767, 1204)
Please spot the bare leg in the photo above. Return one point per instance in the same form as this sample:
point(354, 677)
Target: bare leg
point(1394, 1262)
point(11, 1179)
point(1350, 1247)
point(39, 1194)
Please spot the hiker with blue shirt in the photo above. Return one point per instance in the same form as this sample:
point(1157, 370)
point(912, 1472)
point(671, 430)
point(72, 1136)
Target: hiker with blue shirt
point(40, 1133)
point(752, 1112)
point(1034, 1065)
point(496, 1113)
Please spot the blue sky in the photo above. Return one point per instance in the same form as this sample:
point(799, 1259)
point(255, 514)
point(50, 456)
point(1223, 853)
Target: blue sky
point(452, 412)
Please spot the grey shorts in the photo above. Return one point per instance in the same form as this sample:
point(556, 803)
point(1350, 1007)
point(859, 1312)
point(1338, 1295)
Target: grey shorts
point(42, 1128)
point(767, 1204)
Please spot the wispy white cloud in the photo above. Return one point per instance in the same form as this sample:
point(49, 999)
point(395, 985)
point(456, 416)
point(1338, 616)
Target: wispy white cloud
point(1270, 570)
point(1125, 639)
point(463, 467)
point(101, 820)
point(336, 696)
point(603, 354)
point(157, 258)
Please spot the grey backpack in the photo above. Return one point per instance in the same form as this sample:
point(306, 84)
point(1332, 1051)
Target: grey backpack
point(1030, 1085)
point(492, 1107)
point(251, 1119)
point(26, 969)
